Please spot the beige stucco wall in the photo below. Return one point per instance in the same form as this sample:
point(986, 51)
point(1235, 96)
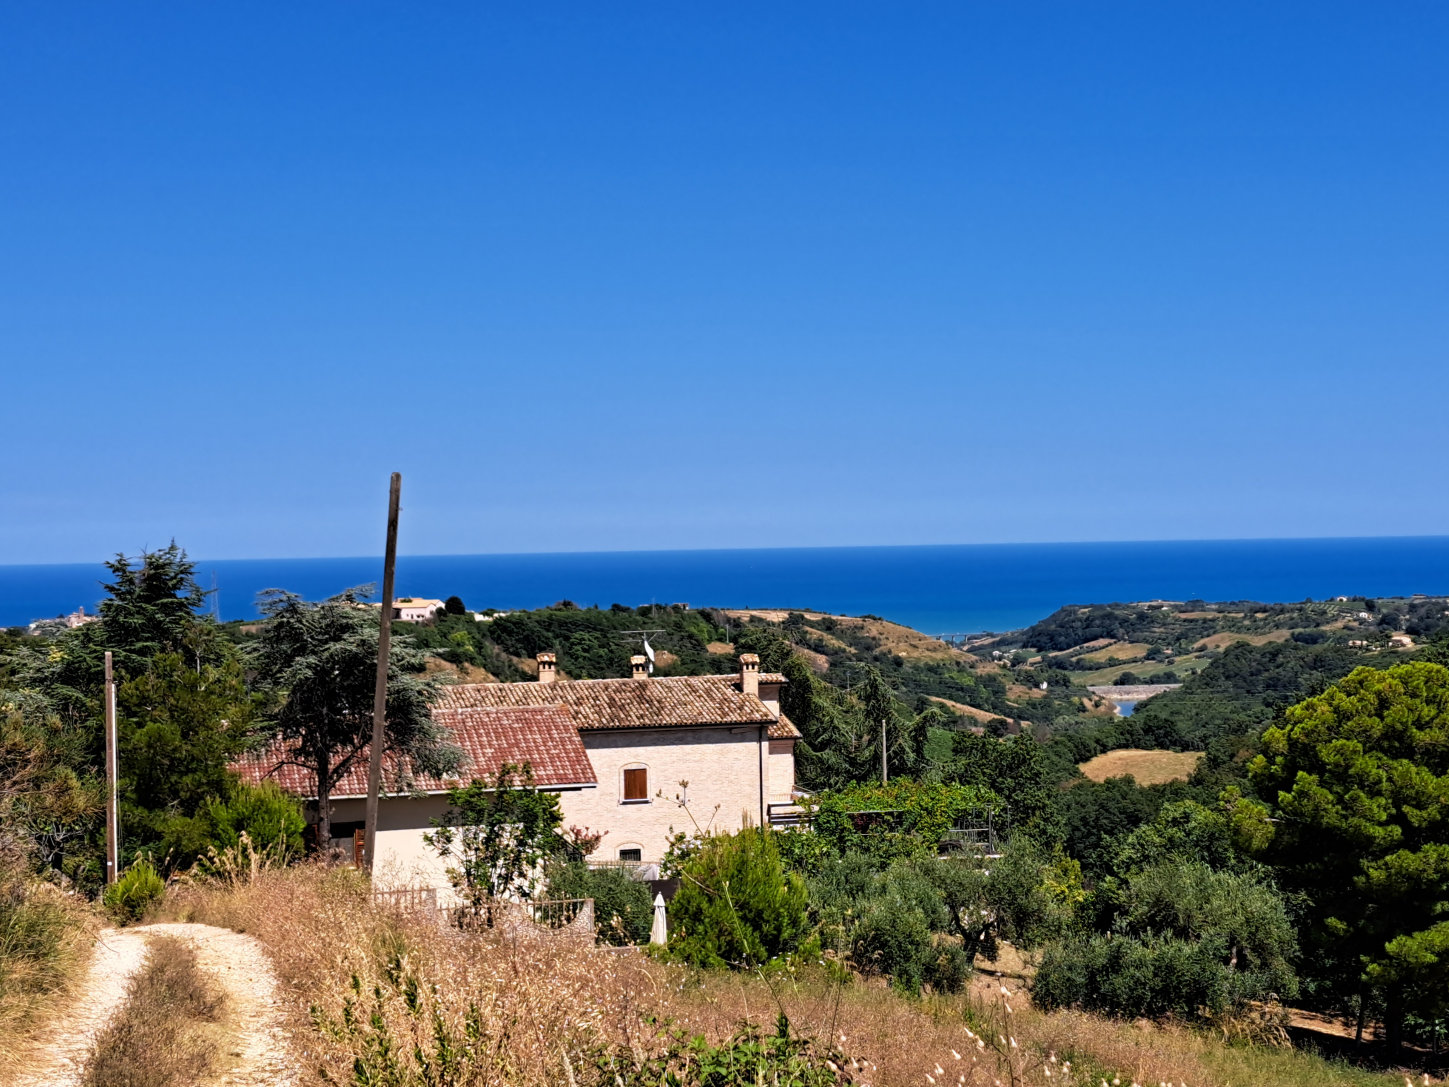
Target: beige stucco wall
point(403, 859)
point(782, 771)
point(722, 766)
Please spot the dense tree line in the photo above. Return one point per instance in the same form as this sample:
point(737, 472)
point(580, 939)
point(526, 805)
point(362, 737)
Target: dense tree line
point(191, 698)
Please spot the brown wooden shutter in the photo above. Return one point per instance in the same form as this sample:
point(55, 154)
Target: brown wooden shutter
point(636, 784)
point(359, 839)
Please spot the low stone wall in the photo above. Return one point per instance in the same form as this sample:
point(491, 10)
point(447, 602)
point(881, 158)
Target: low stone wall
point(513, 921)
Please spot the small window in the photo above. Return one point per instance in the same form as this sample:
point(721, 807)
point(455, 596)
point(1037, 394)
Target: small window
point(636, 784)
point(635, 855)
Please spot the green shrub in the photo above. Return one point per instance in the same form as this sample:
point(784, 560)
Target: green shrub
point(892, 938)
point(898, 820)
point(1186, 940)
point(803, 851)
point(949, 969)
point(1129, 977)
point(272, 819)
point(838, 892)
point(736, 905)
point(623, 908)
point(748, 1056)
point(130, 896)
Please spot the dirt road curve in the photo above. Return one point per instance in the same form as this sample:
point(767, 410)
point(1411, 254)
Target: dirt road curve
point(258, 1051)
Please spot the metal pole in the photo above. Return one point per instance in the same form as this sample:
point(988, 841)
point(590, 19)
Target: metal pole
point(379, 696)
point(113, 822)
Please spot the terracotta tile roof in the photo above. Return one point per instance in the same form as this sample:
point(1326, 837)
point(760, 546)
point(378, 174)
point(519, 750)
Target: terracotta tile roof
point(663, 702)
point(544, 736)
point(784, 729)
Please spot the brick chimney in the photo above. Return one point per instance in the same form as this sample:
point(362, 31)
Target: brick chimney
point(750, 673)
point(547, 668)
point(639, 665)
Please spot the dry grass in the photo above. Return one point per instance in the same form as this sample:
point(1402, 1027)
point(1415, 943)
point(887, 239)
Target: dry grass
point(1148, 767)
point(1123, 651)
point(45, 945)
point(457, 673)
point(531, 1005)
point(167, 1033)
point(965, 710)
point(1227, 638)
point(548, 1015)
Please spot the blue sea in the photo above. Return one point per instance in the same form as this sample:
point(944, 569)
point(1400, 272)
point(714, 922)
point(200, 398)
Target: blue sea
point(938, 589)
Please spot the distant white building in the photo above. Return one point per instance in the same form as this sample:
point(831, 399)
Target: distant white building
point(412, 609)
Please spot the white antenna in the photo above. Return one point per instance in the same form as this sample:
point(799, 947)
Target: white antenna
point(648, 649)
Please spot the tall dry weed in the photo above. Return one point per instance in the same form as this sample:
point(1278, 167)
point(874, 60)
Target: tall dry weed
point(45, 942)
point(395, 990)
point(525, 1008)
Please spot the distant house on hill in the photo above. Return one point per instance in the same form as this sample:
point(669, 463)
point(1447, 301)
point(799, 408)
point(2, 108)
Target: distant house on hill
point(616, 751)
point(411, 609)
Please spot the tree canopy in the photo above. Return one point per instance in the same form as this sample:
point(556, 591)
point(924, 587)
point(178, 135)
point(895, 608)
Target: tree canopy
point(316, 666)
point(1358, 781)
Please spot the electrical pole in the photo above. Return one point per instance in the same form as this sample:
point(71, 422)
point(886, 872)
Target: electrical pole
point(113, 822)
point(379, 696)
point(882, 751)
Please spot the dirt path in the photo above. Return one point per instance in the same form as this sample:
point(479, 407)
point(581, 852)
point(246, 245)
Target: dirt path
point(257, 1053)
point(61, 1053)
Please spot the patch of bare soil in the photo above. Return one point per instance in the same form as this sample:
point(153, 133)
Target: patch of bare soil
point(720, 648)
point(819, 662)
point(769, 615)
point(903, 641)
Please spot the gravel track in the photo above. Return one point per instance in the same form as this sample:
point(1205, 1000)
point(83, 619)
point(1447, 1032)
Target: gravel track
point(61, 1054)
point(257, 1051)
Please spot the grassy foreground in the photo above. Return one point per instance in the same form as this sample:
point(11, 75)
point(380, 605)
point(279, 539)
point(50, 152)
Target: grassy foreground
point(389, 994)
point(45, 944)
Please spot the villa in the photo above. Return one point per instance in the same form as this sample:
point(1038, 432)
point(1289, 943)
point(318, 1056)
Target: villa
point(634, 759)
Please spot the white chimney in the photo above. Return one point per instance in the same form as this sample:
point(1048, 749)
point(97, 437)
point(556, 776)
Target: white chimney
point(547, 668)
point(750, 673)
point(639, 663)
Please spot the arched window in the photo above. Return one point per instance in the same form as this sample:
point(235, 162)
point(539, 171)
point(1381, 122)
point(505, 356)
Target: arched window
point(635, 785)
point(631, 854)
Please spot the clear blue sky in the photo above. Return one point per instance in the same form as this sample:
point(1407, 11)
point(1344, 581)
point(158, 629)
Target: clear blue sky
point(604, 276)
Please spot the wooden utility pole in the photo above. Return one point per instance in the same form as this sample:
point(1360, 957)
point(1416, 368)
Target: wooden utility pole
point(882, 751)
point(113, 820)
point(379, 696)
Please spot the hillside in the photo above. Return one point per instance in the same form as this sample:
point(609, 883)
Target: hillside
point(1238, 661)
point(594, 643)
